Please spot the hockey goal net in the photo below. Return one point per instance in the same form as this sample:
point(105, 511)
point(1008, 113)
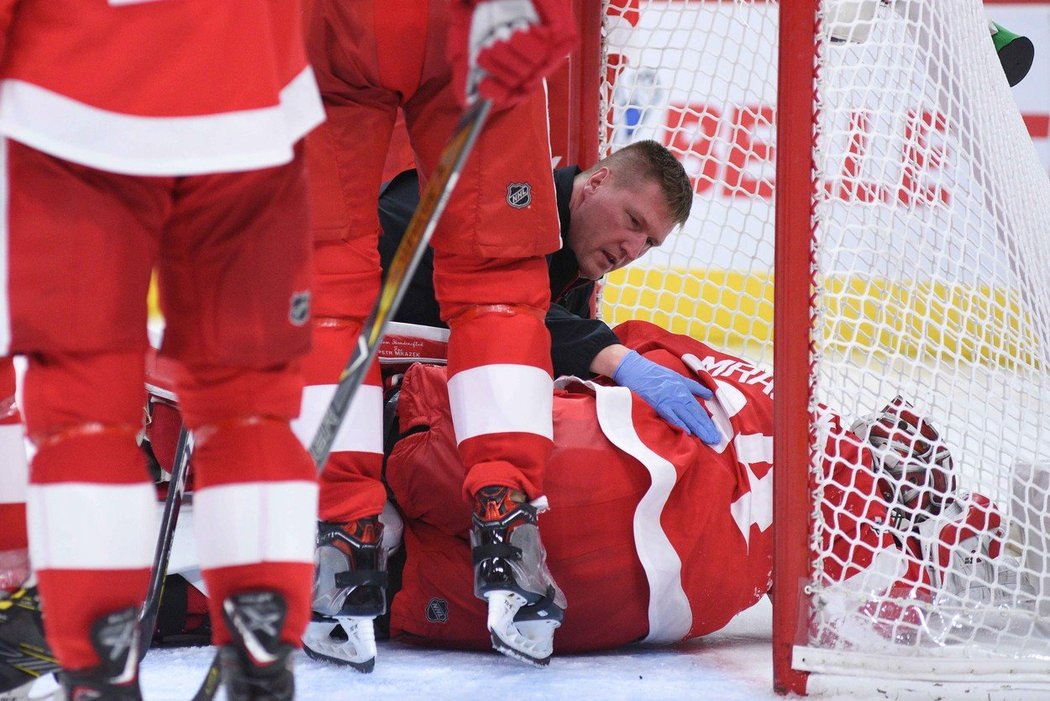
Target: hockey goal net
point(907, 217)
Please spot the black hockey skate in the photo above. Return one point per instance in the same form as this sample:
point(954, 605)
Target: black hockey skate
point(350, 584)
point(115, 638)
point(257, 666)
point(24, 654)
point(510, 572)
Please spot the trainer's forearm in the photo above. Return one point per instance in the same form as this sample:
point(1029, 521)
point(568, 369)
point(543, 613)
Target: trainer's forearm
point(608, 359)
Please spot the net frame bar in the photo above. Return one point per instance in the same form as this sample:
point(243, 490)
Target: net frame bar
point(792, 321)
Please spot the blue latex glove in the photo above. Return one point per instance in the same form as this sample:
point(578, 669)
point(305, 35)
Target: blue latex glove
point(670, 394)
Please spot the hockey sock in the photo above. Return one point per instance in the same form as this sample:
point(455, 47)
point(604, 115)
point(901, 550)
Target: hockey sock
point(91, 508)
point(255, 516)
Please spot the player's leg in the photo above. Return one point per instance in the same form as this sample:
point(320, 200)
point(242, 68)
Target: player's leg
point(82, 243)
point(346, 164)
point(22, 645)
point(234, 288)
point(350, 579)
point(492, 286)
point(14, 542)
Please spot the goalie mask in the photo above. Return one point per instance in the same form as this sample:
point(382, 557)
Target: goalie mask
point(913, 468)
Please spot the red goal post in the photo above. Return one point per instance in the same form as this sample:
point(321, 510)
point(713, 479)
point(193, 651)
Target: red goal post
point(910, 215)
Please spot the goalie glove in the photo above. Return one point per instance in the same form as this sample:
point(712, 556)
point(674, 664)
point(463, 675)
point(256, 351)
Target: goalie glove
point(913, 468)
point(502, 49)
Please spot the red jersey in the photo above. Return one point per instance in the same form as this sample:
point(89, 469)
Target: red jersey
point(158, 87)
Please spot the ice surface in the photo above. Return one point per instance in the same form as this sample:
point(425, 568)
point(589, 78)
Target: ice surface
point(734, 664)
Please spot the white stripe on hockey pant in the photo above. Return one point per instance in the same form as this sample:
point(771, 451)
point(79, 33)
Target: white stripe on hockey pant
point(251, 522)
point(361, 430)
point(670, 616)
point(81, 526)
point(135, 145)
point(5, 261)
point(501, 398)
point(15, 480)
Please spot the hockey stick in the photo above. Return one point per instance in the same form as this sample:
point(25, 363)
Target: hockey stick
point(165, 537)
point(409, 252)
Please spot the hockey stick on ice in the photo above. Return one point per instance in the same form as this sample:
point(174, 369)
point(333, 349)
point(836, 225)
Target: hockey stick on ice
point(165, 537)
point(402, 268)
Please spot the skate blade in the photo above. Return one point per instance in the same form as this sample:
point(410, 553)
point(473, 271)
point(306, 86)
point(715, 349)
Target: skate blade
point(357, 651)
point(19, 693)
point(531, 642)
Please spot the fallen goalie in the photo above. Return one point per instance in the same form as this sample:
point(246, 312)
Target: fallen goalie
point(656, 537)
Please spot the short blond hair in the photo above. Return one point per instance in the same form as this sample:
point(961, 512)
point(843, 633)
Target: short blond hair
point(650, 160)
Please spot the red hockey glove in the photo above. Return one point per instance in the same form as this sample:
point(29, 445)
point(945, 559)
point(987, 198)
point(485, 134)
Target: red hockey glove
point(502, 49)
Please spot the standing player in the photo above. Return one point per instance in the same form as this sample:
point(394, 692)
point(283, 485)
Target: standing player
point(163, 135)
point(373, 58)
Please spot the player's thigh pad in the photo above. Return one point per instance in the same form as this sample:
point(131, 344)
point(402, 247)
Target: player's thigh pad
point(81, 243)
point(504, 203)
point(347, 277)
point(345, 159)
point(234, 268)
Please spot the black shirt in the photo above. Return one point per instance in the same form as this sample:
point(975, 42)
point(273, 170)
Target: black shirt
point(576, 337)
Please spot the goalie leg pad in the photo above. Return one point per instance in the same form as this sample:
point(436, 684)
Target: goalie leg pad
point(913, 467)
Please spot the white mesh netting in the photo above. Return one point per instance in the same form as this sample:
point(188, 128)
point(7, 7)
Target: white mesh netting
point(932, 270)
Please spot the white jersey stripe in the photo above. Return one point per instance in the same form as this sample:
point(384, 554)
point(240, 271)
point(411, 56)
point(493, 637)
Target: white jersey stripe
point(251, 522)
point(362, 429)
point(501, 398)
point(752, 448)
point(670, 615)
point(82, 526)
point(15, 481)
point(137, 145)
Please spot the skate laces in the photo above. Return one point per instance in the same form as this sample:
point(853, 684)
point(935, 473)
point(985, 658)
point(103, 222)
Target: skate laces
point(366, 531)
point(494, 504)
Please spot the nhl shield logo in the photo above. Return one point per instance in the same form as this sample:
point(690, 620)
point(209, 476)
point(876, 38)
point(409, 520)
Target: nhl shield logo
point(299, 312)
point(519, 195)
point(437, 610)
